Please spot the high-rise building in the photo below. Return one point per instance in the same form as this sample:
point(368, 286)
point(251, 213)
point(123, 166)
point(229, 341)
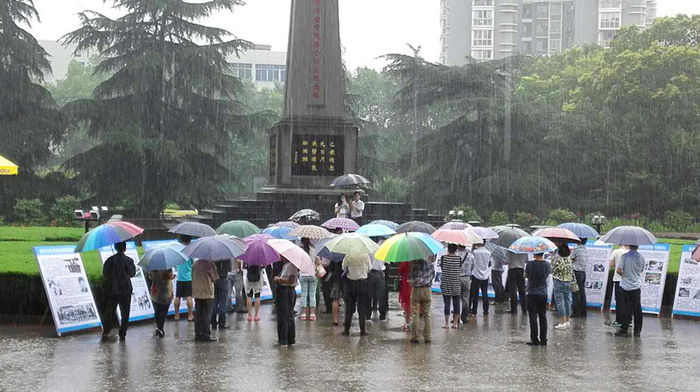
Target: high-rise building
point(491, 29)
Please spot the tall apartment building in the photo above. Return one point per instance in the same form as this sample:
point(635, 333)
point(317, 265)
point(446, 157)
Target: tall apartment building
point(491, 29)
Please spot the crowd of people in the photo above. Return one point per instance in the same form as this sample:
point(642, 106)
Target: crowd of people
point(359, 281)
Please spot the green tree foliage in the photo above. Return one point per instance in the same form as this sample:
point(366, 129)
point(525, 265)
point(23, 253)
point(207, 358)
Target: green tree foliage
point(560, 215)
point(30, 123)
point(498, 218)
point(167, 114)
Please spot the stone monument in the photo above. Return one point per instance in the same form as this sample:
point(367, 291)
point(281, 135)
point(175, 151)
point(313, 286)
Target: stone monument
point(314, 142)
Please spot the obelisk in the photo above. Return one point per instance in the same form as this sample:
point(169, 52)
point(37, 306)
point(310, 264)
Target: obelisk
point(314, 142)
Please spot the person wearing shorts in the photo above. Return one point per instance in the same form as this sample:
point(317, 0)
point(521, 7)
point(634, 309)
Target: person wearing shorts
point(183, 287)
point(253, 287)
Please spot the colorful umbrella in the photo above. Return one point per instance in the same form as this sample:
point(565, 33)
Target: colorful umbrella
point(508, 234)
point(414, 226)
point(458, 237)
point(7, 168)
point(580, 229)
point(239, 228)
point(107, 234)
point(455, 225)
point(307, 214)
point(162, 258)
point(280, 232)
point(341, 223)
point(376, 230)
point(628, 235)
point(407, 247)
point(294, 254)
point(483, 232)
point(387, 223)
point(352, 243)
point(556, 233)
point(532, 245)
point(259, 252)
point(219, 247)
point(193, 229)
point(349, 180)
point(311, 232)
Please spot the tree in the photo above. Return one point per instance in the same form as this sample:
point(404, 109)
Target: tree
point(169, 110)
point(30, 123)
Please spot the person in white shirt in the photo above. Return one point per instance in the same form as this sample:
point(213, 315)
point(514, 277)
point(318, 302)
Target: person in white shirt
point(357, 268)
point(480, 259)
point(378, 295)
point(342, 207)
point(615, 258)
point(357, 207)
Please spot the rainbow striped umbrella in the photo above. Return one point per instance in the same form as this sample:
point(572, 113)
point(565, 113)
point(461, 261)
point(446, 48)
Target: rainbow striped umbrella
point(407, 247)
point(107, 234)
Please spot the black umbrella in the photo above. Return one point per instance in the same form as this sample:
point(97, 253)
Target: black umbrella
point(307, 214)
point(349, 180)
point(193, 229)
point(418, 226)
point(508, 234)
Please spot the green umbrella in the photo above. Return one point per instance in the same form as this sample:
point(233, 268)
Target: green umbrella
point(238, 228)
point(352, 243)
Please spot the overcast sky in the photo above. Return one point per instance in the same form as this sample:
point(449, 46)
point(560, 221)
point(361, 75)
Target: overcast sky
point(368, 28)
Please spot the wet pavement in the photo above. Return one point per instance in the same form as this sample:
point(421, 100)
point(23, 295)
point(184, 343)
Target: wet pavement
point(488, 354)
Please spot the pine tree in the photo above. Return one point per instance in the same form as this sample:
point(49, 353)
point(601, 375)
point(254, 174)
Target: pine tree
point(165, 115)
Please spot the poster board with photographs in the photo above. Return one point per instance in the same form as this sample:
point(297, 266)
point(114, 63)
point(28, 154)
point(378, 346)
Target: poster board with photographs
point(597, 272)
point(654, 278)
point(70, 298)
point(154, 244)
point(687, 299)
point(141, 306)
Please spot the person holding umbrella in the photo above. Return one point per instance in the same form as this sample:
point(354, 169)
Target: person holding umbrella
point(284, 303)
point(183, 286)
point(480, 258)
point(537, 271)
point(221, 288)
point(161, 296)
point(204, 275)
point(580, 264)
point(117, 272)
point(562, 276)
point(357, 207)
point(450, 285)
point(309, 283)
point(631, 269)
point(357, 267)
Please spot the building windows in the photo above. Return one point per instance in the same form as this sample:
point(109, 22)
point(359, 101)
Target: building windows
point(605, 37)
point(542, 10)
point(270, 73)
point(610, 20)
point(541, 28)
point(555, 11)
point(527, 11)
point(243, 71)
point(482, 54)
point(482, 3)
point(527, 29)
point(542, 46)
point(482, 18)
point(482, 38)
point(610, 4)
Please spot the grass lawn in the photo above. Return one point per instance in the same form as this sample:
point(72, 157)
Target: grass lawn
point(50, 234)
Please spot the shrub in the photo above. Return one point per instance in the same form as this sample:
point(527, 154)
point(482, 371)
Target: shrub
point(678, 220)
point(62, 209)
point(498, 218)
point(392, 189)
point(29, 211)
point(468, 214)
point(561, 215)
point(526, 219)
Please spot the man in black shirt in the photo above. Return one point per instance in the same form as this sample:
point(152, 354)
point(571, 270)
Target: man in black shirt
point(117, 272)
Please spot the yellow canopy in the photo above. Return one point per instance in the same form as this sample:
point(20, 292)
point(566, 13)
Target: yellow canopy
point(7, 168)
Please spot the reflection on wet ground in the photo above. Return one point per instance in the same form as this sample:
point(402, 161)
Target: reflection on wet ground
point(488, 354)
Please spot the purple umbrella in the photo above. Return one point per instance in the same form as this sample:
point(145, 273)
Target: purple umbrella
point(341, 223)
point(259, 252)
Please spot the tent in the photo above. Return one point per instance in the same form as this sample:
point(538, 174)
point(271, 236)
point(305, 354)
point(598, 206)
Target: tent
point(7, 168)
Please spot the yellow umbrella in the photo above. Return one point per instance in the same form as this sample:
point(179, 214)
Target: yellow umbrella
point(7, 168)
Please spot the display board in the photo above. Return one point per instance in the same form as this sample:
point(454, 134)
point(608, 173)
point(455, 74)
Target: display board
point(597, 272)
point(141, 306)
point(687, 299)
point(67, 290)
point(317, 155)
point(657, 257)
point(153, 244)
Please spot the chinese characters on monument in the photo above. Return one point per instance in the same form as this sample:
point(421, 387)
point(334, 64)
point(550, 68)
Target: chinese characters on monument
point(317, 155)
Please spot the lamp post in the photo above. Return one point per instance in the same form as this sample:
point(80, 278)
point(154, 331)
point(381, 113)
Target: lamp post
point(598, 221)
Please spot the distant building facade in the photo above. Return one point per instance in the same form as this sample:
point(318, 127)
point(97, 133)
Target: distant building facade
point(260, 64)
point(492, 29)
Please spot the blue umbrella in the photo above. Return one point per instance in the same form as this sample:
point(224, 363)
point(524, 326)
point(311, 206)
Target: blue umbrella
point(580, 229)
point(434, 245)
point(163, 257)
point(628, 235)
point(281, 232)
point(219, 247)
point(532, 244)
point(375, 230)
point(389, 224)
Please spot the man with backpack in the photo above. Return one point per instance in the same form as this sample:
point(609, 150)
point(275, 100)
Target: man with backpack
point(253, 287)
